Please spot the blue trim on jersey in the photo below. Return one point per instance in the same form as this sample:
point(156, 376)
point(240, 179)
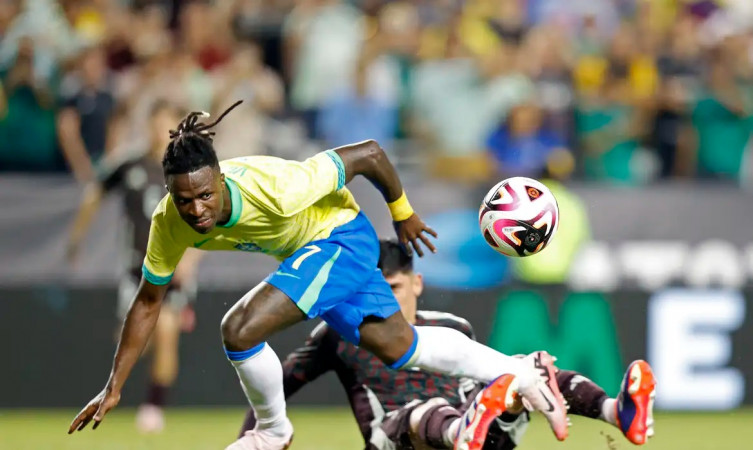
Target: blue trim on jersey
point(340, 167)
point(409, 354)
point(244, 354)
point(155, 279)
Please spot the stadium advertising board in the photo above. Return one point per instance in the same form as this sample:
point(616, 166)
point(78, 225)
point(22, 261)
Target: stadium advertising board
point(670, 284)
point(695, 339)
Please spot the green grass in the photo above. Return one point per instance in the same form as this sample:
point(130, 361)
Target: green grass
point(334, 429)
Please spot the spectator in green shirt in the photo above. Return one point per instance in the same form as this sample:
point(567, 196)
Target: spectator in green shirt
point(27, 118)
point(723, 122)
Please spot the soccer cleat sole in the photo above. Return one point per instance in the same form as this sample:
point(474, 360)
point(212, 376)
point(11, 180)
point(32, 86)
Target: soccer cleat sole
point(641, 387)
point(547, 363)
point(498, 397)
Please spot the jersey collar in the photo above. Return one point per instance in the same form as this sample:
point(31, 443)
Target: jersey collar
point(236, 204)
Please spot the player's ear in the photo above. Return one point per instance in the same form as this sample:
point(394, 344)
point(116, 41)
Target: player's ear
point(418, 284)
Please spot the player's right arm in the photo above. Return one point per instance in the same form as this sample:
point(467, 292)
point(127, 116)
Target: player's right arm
point(138, 326)
point(89, 206)
point(90, 203)
point(72, 144)
point(162, 257)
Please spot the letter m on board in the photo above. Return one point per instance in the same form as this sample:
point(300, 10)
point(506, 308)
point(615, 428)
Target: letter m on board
point(583, 337)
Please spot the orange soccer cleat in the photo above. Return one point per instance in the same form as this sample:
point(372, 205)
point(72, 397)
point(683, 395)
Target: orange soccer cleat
point(635, 403)
point(499, 396)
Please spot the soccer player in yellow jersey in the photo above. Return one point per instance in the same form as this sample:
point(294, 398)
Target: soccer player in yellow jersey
point(302, 214)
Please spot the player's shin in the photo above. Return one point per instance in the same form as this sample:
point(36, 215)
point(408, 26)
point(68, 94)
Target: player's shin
point(451, 352)
point(585, 397)
point(435, 423)
point(260, 372)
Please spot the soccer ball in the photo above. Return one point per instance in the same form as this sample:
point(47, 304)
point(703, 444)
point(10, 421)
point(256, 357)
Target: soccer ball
point(519, 217)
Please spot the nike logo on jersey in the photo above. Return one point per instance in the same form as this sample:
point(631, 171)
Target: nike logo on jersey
point(200, 243)
point(283, 274)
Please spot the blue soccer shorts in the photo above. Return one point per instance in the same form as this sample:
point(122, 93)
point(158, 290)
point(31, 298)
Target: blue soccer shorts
point(337, 279)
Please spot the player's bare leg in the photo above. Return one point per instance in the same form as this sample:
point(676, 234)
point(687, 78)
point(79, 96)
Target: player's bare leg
point(262, 312)
point(451, 352)
point(150, 416)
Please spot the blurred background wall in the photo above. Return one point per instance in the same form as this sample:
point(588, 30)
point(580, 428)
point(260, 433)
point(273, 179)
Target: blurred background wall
point(637, 113)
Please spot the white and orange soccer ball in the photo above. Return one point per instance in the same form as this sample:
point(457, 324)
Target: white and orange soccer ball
point(519, 217)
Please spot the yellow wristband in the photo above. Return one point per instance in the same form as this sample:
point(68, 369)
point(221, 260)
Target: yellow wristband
point(400, 208)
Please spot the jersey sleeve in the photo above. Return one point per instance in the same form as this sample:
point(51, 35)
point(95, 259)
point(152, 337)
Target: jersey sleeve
point(292, 186)
point(162, 253)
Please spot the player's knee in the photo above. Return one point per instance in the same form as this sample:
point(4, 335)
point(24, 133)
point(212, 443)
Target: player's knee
point(238, 332)
point(228, 329)
point(388, 340)
point(394, 349)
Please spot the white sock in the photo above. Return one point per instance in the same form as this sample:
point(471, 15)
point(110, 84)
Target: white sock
point(449, 351)
point(451, 433)
point(261, 379)
point(609, 411)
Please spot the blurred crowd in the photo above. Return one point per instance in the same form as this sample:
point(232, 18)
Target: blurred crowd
point(615, 91)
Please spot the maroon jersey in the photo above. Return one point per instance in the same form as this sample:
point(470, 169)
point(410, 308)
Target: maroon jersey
point(142, 184)
point(372, 387)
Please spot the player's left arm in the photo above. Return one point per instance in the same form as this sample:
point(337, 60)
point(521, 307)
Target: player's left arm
point(367, 158)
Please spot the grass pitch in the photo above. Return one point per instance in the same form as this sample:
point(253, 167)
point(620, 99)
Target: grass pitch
point(335, 429)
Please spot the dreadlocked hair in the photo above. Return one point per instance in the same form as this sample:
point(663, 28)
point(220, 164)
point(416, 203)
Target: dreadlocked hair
point(190, 147)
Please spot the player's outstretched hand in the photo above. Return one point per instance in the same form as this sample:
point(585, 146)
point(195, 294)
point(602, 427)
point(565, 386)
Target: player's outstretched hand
point(95, 410)
point(410, 230)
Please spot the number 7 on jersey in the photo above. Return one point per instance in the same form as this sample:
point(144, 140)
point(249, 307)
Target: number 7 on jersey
point(298, 261)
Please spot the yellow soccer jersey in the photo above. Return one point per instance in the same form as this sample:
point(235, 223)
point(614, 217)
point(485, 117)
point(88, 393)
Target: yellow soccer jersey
point(278, 206)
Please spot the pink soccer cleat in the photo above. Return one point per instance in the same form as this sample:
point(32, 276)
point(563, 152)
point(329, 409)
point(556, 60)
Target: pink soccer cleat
point(150, 419)
point(635, 403)
point(544, 395)
point(259, 440)
point(499, 396)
